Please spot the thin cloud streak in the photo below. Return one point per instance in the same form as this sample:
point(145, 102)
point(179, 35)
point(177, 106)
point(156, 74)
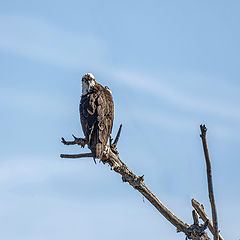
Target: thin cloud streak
point(22, 170)
point(37, 39)
point(176, 123)
point(34, 102)
point(165, 92)
point(40, 40)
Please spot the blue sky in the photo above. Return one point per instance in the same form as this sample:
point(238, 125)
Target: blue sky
point(170, 65)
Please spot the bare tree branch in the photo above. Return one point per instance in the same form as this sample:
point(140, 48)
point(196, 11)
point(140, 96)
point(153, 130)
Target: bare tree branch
point(111, 157)
point(200, 210)
point(118, 135)
point(113, 145)
point(210, 184)
point(197, 230)
point(194, 231)
point(82, 155)
point(195, 217)
point(77, 141)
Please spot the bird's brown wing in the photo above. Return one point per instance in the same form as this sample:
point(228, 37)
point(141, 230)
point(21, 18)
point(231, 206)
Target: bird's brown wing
point(96, 112)
point(105, 113)
point(88, 115)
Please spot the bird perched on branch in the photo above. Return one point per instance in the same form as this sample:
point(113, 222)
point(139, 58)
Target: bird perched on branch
point(96, 114)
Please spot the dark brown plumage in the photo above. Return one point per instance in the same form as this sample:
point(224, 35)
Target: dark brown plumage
point(96, 114)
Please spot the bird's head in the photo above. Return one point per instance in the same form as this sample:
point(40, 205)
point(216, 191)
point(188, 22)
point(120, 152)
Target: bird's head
point(88, 81)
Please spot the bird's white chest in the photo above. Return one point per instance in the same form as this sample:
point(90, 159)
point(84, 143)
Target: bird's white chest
point(86, 87)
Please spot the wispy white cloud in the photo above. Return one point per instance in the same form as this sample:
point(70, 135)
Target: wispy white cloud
point(34, 102)
point(176, 123)
point(50, 217)
point(194, 102)
point(40, 214)
point(19, 170)
point(43, 41)
point(39, 40)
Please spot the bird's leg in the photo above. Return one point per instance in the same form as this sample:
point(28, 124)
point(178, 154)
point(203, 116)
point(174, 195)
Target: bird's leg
point(79, 141)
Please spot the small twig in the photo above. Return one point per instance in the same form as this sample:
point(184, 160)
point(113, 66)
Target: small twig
point(118, 135)
point(196, 230)
point(210, 184)
point(79, 141)
point(113, 145)
point(67, 142)
point(200, 210)
point(82, 155)
point(195, 217)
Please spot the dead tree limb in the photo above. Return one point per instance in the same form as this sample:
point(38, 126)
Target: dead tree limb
point(137, 182)
point(111, 157)
point(194, 231)
point(198, 229)
point(200, 210)
point(209, 179)
point(81, 155)
point(77, 141)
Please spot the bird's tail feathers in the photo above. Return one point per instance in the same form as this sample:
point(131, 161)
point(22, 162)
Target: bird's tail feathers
point(99, 150)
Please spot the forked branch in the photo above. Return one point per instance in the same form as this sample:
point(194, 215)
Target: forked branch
point(110, 156)
point(77, 141)
point(200, 210)
point(194, 231)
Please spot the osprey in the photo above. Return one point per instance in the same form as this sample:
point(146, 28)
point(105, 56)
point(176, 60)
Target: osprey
point(96, 114)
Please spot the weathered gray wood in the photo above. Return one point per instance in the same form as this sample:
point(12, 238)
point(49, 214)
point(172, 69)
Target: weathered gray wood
point(200, 210)
point(111, 157)
point(194, 231)
point(195, 217)
point(77, 141)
